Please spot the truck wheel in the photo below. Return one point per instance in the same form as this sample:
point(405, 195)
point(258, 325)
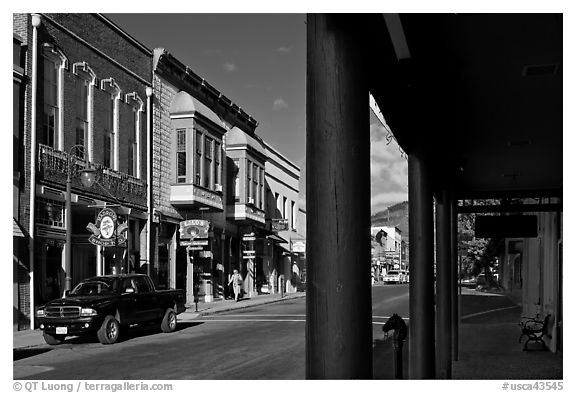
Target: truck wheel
point(109, 331)
point(168, 324)
point(52, 339)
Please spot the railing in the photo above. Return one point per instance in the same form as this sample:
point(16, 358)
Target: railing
point(53, 167)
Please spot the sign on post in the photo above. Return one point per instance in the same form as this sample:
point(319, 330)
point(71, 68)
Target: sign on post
point(106, 232)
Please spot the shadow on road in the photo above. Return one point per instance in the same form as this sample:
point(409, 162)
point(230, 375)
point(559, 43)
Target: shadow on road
point(23, 353)
point(131, 333)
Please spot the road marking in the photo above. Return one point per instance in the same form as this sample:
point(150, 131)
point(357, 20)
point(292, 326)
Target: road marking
point(253, 320)
point(487, 312)
point(256, 315)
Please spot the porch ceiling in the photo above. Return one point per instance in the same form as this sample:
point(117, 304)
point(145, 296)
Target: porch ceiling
point(482, 94)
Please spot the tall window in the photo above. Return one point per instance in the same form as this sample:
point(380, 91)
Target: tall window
point(255, 177)
point(207, 161)
point(108, 134)
point(292, 214)
point(81, 100)
point(181, 155)
point(50, 118)
point(236, 181)
point(133, 143)
point(248, 180)
point(261, 191)
point(198, 159)
point(217, 158)
point(284, 205)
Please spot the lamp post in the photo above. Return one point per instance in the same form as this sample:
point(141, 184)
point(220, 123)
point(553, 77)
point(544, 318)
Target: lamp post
point(87, 178)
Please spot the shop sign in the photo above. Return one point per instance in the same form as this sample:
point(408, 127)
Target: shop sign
point(279, 224)
point(248, 237)
point(192, 229)
point(299, 246)
point(106, 232)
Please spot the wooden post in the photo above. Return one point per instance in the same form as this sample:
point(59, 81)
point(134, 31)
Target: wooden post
point(338, 299)
point(421, 329)
point(443, 286)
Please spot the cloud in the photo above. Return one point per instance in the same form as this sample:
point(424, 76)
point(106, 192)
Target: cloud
point(388, 169)
point(229, 67)
point(279, 103)
point(284, 49)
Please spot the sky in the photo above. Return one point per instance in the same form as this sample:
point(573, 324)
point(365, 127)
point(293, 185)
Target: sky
point(259, 62)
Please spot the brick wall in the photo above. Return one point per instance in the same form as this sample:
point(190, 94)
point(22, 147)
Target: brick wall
point(162, 146)
point(109, 55)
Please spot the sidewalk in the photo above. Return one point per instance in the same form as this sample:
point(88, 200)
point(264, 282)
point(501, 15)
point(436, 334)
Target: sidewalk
point(489, 347)
point(33, 338)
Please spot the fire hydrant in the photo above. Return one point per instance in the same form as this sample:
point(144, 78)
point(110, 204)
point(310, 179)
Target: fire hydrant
point(396, 323)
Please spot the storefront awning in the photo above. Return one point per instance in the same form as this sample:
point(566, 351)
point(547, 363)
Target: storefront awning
point(276, 238)
point(16, 230)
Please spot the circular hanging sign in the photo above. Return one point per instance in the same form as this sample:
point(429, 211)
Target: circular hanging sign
point(107, 227)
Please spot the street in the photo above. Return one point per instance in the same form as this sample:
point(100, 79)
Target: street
point(261, 342)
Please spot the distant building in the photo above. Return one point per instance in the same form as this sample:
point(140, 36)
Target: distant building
point(284, 218)
point(387, 246)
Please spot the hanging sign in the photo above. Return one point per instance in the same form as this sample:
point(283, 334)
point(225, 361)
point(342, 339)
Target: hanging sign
point(106, 232)
point(279, 225)
point(192, 229)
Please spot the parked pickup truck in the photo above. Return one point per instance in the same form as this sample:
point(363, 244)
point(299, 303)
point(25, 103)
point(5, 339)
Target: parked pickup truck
point(106, 304)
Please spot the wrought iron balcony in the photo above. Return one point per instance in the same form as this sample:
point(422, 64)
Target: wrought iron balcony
point(53, 167)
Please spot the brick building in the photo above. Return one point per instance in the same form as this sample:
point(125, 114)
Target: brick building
point(178, 163)
point(80, 92)
point(211, 170)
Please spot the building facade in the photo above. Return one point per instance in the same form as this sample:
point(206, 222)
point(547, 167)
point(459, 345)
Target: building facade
point(177, 164)
point(287, 222)
point(388, 250)
point(531, 270)
point(81, 105)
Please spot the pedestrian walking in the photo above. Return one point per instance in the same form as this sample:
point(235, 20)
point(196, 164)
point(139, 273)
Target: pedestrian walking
point(236, 281)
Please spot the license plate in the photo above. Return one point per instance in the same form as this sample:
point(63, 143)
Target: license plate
point(62, 330)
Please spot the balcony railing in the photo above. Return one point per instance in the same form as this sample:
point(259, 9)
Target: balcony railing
point(53, 166)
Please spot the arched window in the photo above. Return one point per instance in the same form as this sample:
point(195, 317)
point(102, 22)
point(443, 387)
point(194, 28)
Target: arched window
point(83, 101)
point(54, 64)
point(134, 133)
point(109, 112)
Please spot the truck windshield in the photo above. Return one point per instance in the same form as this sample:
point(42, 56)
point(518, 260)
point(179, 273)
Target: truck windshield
point(95, 287)
point(392, 273)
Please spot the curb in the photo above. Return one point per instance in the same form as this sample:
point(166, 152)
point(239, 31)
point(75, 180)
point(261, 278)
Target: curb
point(237, 306)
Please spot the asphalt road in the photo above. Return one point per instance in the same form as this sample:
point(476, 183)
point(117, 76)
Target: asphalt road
point(264, 342)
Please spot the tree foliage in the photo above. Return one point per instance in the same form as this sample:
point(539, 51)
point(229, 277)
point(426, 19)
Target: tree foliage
point(481, 253)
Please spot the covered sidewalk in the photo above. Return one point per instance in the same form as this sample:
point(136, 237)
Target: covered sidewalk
point(475, 101)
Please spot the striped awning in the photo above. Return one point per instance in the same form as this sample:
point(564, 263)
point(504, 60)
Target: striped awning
point(16, 230)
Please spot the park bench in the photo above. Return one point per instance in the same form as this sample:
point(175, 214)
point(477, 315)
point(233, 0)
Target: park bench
point(534, 329)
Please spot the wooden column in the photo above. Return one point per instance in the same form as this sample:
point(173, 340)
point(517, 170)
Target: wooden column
point(421, 328)
point(338, 299)
point(454, 275)
point(443, 286)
